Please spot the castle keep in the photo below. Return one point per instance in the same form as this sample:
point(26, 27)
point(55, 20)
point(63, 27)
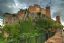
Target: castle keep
point(32, 11)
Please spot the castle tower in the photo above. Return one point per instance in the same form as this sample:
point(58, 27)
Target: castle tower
point(48, 13)
point(58, 19)
point(21, 14)
point(34, 9)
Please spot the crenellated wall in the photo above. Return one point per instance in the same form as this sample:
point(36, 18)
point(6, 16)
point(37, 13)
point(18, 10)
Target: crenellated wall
point(31, 11)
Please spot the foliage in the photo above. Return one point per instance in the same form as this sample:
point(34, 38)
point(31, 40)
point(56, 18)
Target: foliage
point(29, 28)
point(46, 24)
point(24, 29)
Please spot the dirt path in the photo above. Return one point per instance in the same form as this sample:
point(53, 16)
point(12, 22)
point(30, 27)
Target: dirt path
point(57, 38)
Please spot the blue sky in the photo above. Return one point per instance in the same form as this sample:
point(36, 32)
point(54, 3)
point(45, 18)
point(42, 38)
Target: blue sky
point(12, 6)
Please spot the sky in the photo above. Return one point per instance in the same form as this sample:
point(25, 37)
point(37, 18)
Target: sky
point(13, 6)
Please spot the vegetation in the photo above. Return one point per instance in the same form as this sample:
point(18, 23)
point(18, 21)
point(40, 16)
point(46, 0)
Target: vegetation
point(29, 30)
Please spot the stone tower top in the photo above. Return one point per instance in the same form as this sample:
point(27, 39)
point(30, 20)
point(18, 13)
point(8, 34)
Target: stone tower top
point(58, 19)
point(48, 13)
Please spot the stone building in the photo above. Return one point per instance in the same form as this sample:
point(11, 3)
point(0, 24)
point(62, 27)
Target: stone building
point(58, 19)
point(21, 14)
point(31, 12)
point(34, 9)
point(43, 11)
point(9, 18)
point(37, 9)
point(48, 12)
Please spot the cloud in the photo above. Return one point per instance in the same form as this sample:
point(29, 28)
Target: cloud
point(1, 21)
point(57, 8)
point(14, 5)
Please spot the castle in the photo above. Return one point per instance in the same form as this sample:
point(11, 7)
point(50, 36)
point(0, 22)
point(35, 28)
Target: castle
point(31, 11)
